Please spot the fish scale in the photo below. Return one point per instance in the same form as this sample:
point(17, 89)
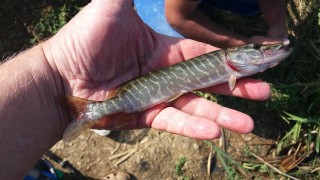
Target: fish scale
point(168, 83)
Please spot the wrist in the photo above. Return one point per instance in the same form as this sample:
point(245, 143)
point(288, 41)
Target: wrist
point(31, 119)
point(50, 84)
point(32, 81)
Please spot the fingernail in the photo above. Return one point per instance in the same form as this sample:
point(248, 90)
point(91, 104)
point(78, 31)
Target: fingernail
point(286, 42)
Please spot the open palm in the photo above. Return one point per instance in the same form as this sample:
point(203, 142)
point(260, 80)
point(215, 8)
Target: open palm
point(107, 44)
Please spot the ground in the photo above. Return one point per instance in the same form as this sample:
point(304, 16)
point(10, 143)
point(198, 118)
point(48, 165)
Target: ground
point(148, 153)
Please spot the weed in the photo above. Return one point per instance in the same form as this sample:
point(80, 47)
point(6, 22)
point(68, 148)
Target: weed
point(206, 95)
point(179, 168)
point(227, 162)
point(292, 137)
point(319, 17)
point(53, 18)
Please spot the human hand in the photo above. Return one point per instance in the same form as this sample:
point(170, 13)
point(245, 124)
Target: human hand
point(107, 44)
point(266, 40)
point(278, 31)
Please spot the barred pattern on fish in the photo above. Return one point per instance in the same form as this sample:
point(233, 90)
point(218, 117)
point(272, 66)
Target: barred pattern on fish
point(168, 83)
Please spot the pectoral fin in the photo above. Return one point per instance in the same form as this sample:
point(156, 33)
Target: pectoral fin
point(232, 81)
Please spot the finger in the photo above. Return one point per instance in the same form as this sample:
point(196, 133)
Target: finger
point(139, 120)
point(245, 88)
point(225, 117)
point(258, 91)
point(179, 50)
point(168, 119)
point(190, 48)
point(198, 118)
point(178, 122)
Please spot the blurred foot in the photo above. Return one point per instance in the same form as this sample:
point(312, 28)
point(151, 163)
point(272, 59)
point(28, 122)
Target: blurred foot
point(118, 175)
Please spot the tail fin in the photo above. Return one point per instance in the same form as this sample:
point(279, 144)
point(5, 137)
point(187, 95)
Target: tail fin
point(77, 106)
point(76, 128)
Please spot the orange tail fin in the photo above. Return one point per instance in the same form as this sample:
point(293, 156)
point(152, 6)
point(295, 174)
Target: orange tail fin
point(75, 105)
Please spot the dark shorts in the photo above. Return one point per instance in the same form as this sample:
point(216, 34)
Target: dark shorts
point(241, 7)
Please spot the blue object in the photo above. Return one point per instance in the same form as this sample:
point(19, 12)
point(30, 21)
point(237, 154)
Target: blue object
point(152, 13)
point(43, 170)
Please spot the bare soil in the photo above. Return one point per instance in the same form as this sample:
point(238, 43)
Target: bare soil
point(145, 154)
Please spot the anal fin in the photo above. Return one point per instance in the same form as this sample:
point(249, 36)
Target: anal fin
point(123, 119)
point(175, 97)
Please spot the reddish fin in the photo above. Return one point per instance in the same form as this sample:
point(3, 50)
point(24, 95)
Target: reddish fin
point(112, 93)
point(75, 105)
point(123, 119)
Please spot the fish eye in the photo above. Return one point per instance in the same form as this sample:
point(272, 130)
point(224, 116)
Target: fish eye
point(256, 46)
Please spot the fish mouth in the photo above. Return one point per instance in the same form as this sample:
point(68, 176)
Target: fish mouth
point(276, 53)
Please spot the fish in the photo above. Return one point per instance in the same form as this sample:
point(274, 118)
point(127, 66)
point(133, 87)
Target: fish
point(166, 84)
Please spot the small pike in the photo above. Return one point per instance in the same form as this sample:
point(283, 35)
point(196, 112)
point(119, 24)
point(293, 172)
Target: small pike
point(168, 83)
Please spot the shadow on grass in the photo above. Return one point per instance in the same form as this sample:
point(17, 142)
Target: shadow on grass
point(15, 16)
point(20, 22)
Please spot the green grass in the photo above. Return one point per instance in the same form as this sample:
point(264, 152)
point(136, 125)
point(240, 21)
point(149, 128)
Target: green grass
point(231, 167)
point(299, 88)
point(179, 168)
point(54, 17)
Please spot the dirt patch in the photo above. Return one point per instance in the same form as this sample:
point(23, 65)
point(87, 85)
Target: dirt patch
point(146, 154)
point(151, 154)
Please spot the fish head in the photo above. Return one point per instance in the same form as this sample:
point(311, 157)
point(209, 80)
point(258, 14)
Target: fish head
point(253, 58)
